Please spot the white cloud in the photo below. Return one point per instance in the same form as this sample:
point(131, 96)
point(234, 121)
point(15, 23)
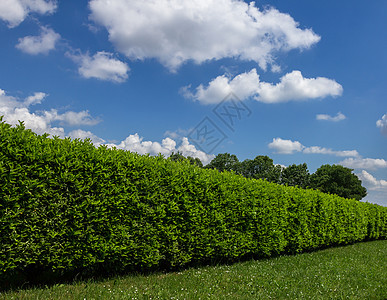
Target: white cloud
point(190, 150)
point(41, 44)
point(337, 118)
point(382, 124)
point(8, 101)
point(243, 85)
point(289, 147)
point(364, 163)
point(177, 134)
point(292, 87)
point(40, 122)
point(36, 98)
point(371, 182)
point(81, 134)
point(276, 68)
point(174, 31)
point(71, 118)
point(135, 143)
point(376, 189)
point(14, 12)
point(321, 150)
point(285, 146)
point(101, 65)
point(36, 122)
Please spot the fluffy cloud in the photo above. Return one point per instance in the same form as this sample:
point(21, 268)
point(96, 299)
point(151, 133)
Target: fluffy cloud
point(382, 124)
point(243, 85)
point(175, 31)
point(36, 98)
point(285, 146)
point(41, 44)
point(289, 147)
point(177, 134)
point(321, 150)
point(292, 87)
point(371, 182)
point(14, 12)
point(135, 143)
point(364, 163)
point(190, 150)
point(71, 118)
point(40, 122)
point(82, 134)
point(101, 65)
point(337, 118)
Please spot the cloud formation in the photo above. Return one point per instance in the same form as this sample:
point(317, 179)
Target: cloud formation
point(285, 146)
point(82, 134)
point(135, 143)
point(40, 122)
point(177, 134)
point(337, 118)
point(36, 98)
point(382, 124)
point(175, 32)
point(282, 146)
point(102, 66)
point(13, 12)
point(292, 87)
point(322, 150)
point(41, 44)
point(371, 182)
point(364, 163)
point(71, 118)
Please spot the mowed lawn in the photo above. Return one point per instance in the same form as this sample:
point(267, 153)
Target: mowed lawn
point(356, 271)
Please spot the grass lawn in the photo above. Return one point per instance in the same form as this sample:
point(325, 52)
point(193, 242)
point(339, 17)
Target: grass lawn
point(356, 271)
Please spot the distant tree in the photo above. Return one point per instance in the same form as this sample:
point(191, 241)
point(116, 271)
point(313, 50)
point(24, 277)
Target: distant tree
point(260, 167)
point(177, 156)
point(296, 175)
point(338, 180)
point(224, 162)
point(180, 157)
point(195, 161)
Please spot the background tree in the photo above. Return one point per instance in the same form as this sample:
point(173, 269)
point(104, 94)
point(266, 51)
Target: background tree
point(180, 157)
point(260, 167)
point(195, 161)
point(338, 180)
point(224, 162)
point(176, 156)
point(296, 175)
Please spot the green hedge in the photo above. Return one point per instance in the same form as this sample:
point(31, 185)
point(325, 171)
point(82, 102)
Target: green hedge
point(66, 205)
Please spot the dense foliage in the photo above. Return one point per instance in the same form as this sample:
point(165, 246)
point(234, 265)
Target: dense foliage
point(261, 167)
point(338, 180)
point(66, 205)
point(334, 179)
point(224, 162)
point(296, 175)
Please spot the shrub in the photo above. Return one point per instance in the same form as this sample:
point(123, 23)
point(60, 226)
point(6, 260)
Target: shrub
point(66, 206)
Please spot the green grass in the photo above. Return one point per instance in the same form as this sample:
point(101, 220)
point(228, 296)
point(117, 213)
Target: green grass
point(356, 271)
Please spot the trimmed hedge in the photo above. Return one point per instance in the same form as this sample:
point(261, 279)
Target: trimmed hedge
point(66, 205)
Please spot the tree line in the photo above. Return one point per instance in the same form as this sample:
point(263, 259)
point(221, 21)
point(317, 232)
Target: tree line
point(332, 179)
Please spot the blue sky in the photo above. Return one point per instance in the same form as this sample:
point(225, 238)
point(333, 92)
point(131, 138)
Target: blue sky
point(308, 78)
